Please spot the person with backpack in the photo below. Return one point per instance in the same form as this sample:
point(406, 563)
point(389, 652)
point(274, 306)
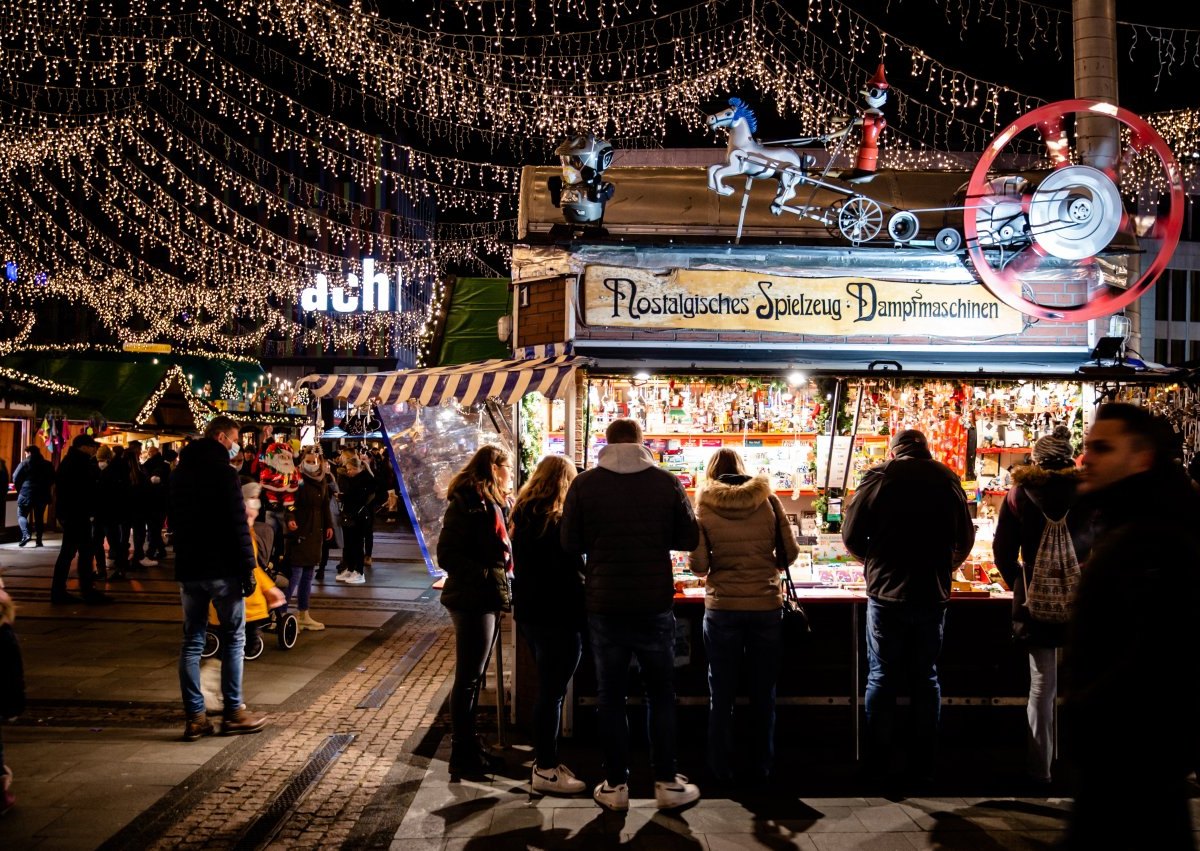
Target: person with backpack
point(1040, 536)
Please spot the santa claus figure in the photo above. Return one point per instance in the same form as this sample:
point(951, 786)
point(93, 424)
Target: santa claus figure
point(278, 477)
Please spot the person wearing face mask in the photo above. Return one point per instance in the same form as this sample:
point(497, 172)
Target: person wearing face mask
point(334, 541)
point(214, 563)
point(313, 527)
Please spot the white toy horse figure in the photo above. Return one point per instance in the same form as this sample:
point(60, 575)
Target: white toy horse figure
point(746, 156)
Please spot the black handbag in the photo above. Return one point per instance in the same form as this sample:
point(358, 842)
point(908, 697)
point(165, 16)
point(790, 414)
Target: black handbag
point(795, 618)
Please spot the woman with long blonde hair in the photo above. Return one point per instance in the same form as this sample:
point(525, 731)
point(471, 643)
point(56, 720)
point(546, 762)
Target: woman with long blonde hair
point(474, 550)
point(548, 607)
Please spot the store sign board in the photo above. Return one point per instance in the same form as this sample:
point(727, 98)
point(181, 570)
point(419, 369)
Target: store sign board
point(754, 301)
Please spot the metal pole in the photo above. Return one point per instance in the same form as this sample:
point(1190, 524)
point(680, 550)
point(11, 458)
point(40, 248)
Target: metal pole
point(862, 389)
point(1094, 31)
point(833, 412)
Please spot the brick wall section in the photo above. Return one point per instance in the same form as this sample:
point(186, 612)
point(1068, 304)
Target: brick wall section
point(544, 319)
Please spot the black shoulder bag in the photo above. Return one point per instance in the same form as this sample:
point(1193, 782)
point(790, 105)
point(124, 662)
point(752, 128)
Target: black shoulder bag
point(795, 618)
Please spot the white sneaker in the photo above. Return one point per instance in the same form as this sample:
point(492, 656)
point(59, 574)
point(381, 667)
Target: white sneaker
point(615, 799)
point(149, 562)
point(344, 575)
point(556, 781)
point(356, 579)
point(668, 796)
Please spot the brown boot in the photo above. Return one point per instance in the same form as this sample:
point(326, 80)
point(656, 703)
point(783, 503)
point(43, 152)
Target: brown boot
point(241, 721)
point(197, 726)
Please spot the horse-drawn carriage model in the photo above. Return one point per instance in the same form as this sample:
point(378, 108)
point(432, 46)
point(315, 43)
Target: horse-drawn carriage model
point(1012, 228)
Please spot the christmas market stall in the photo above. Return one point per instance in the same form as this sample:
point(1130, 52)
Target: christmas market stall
point(805, 318)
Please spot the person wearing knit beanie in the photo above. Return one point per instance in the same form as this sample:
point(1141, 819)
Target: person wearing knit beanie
point(1054, 450)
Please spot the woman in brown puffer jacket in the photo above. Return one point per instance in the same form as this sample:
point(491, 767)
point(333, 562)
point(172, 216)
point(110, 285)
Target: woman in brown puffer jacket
point(741, 520)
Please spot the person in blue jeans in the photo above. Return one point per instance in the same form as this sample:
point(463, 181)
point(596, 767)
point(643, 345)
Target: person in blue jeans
point(625, 516)
point(909, 524)
point(548, 608)
point(214, 563)
point(742, 524)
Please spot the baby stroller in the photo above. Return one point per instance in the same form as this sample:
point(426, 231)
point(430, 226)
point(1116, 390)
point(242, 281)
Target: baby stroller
point(285, 626)
point(260, 615)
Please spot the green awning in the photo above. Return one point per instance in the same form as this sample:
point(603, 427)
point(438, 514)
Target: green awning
point(470, 332)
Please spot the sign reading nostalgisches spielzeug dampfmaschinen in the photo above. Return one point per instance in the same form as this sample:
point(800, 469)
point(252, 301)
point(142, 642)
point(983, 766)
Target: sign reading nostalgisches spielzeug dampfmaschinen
point(754, 301)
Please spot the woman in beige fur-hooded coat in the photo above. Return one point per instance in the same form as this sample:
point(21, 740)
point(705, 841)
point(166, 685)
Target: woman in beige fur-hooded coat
point(740, 521)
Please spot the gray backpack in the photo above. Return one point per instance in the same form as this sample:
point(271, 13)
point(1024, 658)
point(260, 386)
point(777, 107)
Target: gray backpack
point(1050, 591)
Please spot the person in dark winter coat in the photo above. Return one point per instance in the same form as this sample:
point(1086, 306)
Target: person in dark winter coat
point(76, 490)
point(741, 520)
point(1132, 674)
point(548, 607)
point(474, 551)
point(358, 507)
point(909, 524)
point(158, 484)
point(625, 516)
point(1043, 490)
point(33, 480)
point(311, 526)
point(214, 563)
point(12, 689)
point(136, 508)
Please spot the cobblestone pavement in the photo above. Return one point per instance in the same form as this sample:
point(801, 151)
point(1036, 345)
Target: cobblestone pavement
point(99, 763)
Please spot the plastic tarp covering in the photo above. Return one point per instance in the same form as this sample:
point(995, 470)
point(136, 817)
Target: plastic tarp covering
point(429, 445)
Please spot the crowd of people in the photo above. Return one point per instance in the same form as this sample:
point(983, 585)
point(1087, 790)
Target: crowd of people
point(1101, 552)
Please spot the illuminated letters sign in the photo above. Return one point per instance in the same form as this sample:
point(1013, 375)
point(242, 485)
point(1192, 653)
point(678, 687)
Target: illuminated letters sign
point(373, 296)
point(755, 301)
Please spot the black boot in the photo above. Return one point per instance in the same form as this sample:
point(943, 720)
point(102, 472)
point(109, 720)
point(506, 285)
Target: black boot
point(470, 759)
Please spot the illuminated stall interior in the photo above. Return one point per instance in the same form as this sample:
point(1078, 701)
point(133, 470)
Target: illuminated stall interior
point(780, 425)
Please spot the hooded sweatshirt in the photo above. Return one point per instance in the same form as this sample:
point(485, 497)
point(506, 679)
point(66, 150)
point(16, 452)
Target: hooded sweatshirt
point(625, 515)
point(740, 521)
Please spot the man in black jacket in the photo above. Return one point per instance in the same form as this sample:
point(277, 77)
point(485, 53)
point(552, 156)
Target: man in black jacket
point(32, 480)
point(76, 490)
point(1132, 692)
point(625, 516)
point(214, 563)
point(910, 526)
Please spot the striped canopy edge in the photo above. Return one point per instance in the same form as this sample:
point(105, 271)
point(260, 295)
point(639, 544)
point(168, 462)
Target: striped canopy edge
point(505, 381)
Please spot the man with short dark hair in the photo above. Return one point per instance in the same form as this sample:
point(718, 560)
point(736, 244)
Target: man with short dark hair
point(76, 491)
point(909, 524)
point(625, 516)
point(1132, 670)
point(32, 481)
point(214, 563)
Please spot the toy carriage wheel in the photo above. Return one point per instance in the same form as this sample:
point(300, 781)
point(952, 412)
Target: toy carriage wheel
point(903, 226)
point(948, 240)
point(859, 219)
point(254, 646)
point(1076, 214)
point(212, 643)
point(286, 634)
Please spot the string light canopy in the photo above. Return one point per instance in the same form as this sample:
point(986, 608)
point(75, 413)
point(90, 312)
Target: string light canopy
point(186, 168)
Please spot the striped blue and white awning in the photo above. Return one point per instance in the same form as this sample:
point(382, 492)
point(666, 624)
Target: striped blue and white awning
point(506, 381)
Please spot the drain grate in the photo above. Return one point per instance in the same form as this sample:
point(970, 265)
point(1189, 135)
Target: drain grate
point(263, 829)
point(377, 696)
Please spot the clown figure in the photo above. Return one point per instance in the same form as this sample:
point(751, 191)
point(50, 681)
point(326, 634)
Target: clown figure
point(873, 123)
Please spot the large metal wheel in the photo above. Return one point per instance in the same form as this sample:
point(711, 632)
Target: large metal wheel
point(859, 219)
point(1074, 215)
